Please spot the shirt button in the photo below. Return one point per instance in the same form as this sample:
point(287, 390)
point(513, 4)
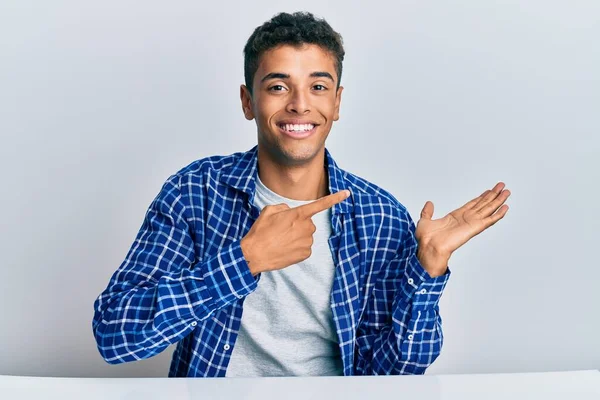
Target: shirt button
point(410, 280)
point(194, 323)
point(423, 291)
point(410, 337)
point(226, 347)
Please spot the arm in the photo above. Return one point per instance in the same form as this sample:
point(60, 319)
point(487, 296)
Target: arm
point(402, 330)
point(157, 295)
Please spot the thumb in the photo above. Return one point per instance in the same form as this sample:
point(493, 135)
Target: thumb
point(427, 211)
point(274, 208)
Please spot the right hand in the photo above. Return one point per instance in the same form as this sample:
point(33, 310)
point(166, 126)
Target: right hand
point(283, 236)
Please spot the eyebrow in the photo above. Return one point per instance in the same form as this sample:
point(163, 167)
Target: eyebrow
point(280, 75)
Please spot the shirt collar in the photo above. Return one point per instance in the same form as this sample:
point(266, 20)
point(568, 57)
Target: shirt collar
point(241, 175)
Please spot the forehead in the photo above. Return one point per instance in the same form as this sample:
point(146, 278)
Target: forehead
point(296, 61)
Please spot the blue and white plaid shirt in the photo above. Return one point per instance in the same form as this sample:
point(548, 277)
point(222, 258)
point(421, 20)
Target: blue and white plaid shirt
point(185, 277)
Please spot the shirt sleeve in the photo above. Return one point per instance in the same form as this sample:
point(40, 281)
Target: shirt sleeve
point(402, 331)
point(160, 291)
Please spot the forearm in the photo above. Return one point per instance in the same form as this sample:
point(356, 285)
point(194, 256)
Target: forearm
point(136, 320)
point(411, 340)
point(411, 344)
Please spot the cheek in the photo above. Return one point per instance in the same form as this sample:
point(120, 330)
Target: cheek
point(327, 105)
point(265, 110)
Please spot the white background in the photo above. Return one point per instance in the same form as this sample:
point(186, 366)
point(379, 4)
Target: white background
point(100, 102)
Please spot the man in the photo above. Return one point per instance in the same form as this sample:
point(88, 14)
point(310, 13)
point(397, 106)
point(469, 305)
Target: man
point(331, 274)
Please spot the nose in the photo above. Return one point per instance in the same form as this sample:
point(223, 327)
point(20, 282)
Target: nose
point(298, 103)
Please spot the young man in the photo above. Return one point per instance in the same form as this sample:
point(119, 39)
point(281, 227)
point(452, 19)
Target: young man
point(275, 261)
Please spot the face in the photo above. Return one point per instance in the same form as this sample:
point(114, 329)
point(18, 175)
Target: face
point(294, 102)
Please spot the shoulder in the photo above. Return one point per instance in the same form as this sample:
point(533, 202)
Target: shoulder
point(186, 190)
point(204, 169)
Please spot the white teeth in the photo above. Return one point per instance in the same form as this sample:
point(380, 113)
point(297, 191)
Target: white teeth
point(298, 127)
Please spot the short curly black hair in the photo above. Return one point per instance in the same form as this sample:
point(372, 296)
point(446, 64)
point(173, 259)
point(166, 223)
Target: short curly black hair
point(294, 29)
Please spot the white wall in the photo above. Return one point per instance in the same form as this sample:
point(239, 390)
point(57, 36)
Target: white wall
point(101, 102)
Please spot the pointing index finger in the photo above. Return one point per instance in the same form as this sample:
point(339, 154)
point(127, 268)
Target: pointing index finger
point(322, 204)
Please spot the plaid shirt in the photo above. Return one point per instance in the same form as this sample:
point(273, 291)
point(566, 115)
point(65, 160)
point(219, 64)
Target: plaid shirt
point(185, 278)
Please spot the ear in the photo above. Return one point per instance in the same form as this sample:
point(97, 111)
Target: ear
point(338, 100)
point(246, 99)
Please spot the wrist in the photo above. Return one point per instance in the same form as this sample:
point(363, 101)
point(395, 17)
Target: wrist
point(246, 247)
point(432, 260)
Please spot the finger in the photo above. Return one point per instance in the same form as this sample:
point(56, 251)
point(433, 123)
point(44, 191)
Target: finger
point(496, 217)
point(473, 203)
point(490, 196)
point(312, 228)
point(489, 209)
point(487, 196)
point(322, 204)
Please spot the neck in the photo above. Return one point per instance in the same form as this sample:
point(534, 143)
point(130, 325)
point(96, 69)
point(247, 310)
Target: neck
point(308, 181)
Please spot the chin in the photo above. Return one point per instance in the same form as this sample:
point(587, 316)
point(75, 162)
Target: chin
point(298, 154)
point(286, 151)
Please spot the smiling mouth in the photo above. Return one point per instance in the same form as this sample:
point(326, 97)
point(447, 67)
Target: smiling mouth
point(297, 128)
point(297, 131)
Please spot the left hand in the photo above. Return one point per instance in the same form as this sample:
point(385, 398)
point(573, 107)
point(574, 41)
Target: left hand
point(439, 238)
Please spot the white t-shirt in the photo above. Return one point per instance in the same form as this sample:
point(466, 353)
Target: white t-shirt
point(287, 326)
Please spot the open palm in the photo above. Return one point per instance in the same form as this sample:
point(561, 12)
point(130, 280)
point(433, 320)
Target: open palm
point(455, 229)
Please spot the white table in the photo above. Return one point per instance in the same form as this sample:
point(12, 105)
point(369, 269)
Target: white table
point(572, 385)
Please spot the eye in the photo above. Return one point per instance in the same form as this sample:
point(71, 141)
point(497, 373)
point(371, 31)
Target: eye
point(320, 88)
point(276, 88)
